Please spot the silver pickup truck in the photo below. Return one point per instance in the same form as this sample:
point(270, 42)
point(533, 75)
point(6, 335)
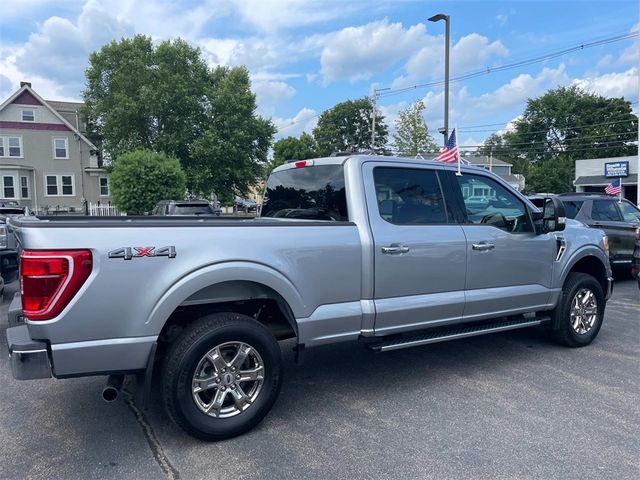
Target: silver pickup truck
point(389, 252)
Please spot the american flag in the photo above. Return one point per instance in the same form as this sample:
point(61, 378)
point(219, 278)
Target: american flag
point(614, 188)
point(449, 154)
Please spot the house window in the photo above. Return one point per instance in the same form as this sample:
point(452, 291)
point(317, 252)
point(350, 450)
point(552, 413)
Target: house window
point(104, 186)
point(28, 116)
point(60, 148)
point(10, 146)
point(24, 187)
point(8, 187)
point(60, 185)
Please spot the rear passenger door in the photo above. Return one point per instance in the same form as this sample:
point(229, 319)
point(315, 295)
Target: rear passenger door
point(419, 250)
point(606, 215)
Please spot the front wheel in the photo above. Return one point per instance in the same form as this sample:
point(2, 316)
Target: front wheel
point(578, 317)
point(221, 376)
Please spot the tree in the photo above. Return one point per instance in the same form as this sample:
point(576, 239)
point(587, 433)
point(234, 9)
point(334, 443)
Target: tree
point(231, 154)
point(291, 148)
point(165, 98)
point(561, 126)
point(347, 127)
point(412, 134)
point(141, 178)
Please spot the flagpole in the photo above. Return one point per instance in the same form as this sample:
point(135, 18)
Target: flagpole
point(620, 197)
point(455, 132)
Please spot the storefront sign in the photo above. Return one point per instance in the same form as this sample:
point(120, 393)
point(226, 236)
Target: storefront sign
point(616, 169)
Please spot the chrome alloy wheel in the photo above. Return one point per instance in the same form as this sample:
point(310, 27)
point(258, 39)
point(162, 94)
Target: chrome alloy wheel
point(584, 311)
point(228, 379)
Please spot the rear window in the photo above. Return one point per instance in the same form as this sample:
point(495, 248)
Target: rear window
point(186, 209)
point(310, 193)
point(572, 207)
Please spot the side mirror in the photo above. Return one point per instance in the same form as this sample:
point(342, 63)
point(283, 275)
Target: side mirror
point(553, 215)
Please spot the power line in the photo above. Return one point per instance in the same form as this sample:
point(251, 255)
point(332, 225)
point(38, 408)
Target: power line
point(516, 119)
point(572, 127)
point(520, 63)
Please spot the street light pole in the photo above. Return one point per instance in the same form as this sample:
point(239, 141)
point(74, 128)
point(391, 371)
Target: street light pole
point(447, 21)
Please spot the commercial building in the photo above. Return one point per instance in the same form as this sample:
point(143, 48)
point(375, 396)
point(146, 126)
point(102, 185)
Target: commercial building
point(46, 161)
point(594, 174)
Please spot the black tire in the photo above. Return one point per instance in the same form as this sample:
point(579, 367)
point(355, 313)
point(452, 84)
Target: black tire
point(563, 331)
point(184, 356)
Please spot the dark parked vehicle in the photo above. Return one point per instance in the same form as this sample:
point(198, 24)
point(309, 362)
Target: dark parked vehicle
point(186, 208)
point(8, 244)
point(245, 205)
point(619, 219)
point(635, 266)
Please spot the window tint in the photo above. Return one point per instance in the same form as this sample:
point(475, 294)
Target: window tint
point(488, 202)
point(311, 193)
point(409, 196)
point(629, 212)
point(605, 210)
point(572, 207)
point(197, 209)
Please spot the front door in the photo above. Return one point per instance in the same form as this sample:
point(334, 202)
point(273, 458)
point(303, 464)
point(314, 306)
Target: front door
point(509, 267)
point(419, 249)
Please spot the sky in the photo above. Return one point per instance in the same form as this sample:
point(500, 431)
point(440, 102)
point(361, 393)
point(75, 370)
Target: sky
point(304, 56)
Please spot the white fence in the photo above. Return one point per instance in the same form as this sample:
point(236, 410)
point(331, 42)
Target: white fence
point(103, 210)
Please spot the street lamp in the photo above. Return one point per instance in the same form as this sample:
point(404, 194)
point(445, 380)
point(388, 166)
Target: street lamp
point(437, 18)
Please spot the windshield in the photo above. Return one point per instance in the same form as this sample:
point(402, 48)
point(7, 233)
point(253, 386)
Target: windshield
point(199, 209)
point(312, 193)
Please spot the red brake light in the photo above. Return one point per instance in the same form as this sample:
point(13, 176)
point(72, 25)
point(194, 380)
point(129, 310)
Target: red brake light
point(303, 163)
point(50, 279)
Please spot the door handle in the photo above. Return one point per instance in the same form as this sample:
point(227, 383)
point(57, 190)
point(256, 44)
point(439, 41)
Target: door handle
point(483, 246)
point(394, 249)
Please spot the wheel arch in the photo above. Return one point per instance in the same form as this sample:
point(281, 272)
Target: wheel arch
point(227, 285)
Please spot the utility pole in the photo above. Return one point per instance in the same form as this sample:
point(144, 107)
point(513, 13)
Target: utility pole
point(376, 92)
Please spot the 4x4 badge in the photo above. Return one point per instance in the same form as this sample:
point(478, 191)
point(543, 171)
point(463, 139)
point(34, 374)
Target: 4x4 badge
point(129, 253)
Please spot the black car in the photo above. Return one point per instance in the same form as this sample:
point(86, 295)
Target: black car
point(186, 208)
point(619, 219)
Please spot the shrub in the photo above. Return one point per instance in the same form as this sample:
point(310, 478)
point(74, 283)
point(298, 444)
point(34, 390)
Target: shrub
point(141, 178)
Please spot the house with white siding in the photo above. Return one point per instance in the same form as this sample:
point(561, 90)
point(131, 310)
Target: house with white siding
point(46, 161)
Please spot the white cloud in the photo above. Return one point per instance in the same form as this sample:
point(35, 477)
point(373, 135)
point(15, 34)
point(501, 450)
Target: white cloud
point(619, 84)
point(269, 94)
point(502, 18)
point(470, 52)
point(303, 121)
point(356, 53)
point(60, 48)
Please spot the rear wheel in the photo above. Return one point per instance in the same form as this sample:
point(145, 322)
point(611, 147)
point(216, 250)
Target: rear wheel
point(221, 376)
point(578, 317)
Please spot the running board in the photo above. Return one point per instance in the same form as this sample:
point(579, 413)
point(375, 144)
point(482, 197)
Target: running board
point(455, 333)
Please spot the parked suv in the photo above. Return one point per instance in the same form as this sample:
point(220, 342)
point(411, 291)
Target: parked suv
point(617, 218)
point(186, 208)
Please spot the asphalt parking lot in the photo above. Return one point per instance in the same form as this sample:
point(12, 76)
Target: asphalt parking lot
point(510, 405)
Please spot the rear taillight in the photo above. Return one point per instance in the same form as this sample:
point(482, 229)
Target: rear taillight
point(50, 279)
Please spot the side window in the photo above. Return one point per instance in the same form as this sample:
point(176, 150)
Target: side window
point(572, 207)
point(605, 210)
point(487, 202)
point(629, 212)
point(409, 196)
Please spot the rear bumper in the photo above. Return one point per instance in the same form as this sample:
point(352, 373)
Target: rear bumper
point(29, 358)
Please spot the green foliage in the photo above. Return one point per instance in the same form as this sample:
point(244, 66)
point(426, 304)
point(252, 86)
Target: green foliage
point(561, 126)
point(165, 98)
point(412, 134)
point(347, 127)
point(141, 178)
point(292, 148)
